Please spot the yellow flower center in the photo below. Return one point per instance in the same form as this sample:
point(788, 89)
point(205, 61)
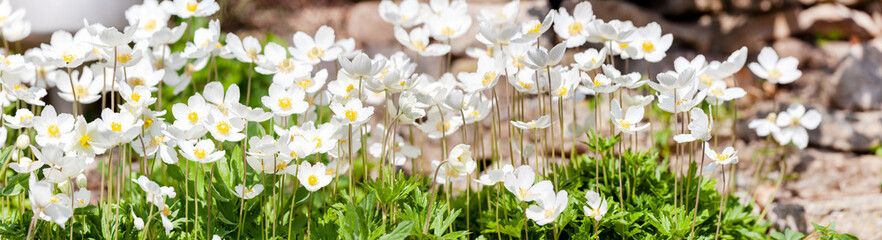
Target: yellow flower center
point(351, 115)
point(68, 58)
point(774, 73)
point(442, 126)
point(575, 28)
point(488, 78)
point(123, 57)
point(419, 45)
point(86, 141)
point(19, 87)
point(706, 79)
point(525, 85)
point(722, 157)
point(795, 121)
point(80, 91)
point(223, 127)
point(281, 166)
point(329, 171)
point(350, 88)
point(53, 130)
point(315, 53)
point(518, 62)
point(648, 46)
point(318, 141)
point(248, 190)
point(624, 124)
point(193, 117)
point(135, 97)
point(549, 212)
point(199, 153)
point(562, 91)
point(535, 28)
point(150, 24)
point(191, 6)
point(148, 122)
point(597, 83)
point(312, 180)
point(304, 83)
point(286, 65)
point(524, 193)
point(682, 101)
point(285, 103)
point(166, 211)
point(25, 117)
point(116, 127)
point(136, 81)
point(448, 31)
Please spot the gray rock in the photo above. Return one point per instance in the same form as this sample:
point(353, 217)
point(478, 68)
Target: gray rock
point(859, 79)
point(848, 131)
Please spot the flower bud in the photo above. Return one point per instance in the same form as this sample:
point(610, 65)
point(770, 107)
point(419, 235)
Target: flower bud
point(81, 180)
point(22, 142)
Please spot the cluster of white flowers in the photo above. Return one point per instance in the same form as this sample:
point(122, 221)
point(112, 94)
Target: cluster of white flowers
point(135, 64)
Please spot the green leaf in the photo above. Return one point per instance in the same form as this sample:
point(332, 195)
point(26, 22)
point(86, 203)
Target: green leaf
point(400, 232)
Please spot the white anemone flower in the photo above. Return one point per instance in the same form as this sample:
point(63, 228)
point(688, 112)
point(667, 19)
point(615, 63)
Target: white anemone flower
point(540, 123)
point(600, 84)
point(192, 114)
point(638, 100)
point(627, 123)
point(149, 17)
point(247, 193)
point(45, 205)
point(683, 101)
point(492, 177)
point(284, 102)
point(201, 151)
point(572, 28)
point(541, 59)
point(191, 8)
point(520, 183)
point(246, 50)
point(590, 59)
point(275, 61)
point(597, 206)
point(418, 41)
point(548, 207)
point(460, 159)
point(336, 167)
point(214, 94)
point(765, 126)
point(17, 30)
point(700, 126)
point(361, 66)
point(8, 16)
point(313, 177)
point(773, 69)
point(485, 77)
point(223, 128)
point(85, 139)
point(653, 44)
point(25, 165)
point(23, 118)
point(533, 29)
point(64, 51)
point(86, 88)
point(448, 25)
point(407, 14)
point(314, 50)
point(352, 112)
point(727, 156)
point(719, 93)
point(503, 15)
point(794, 124)
point(155, 194)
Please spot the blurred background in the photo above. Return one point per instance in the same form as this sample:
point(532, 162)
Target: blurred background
point(838, 44)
